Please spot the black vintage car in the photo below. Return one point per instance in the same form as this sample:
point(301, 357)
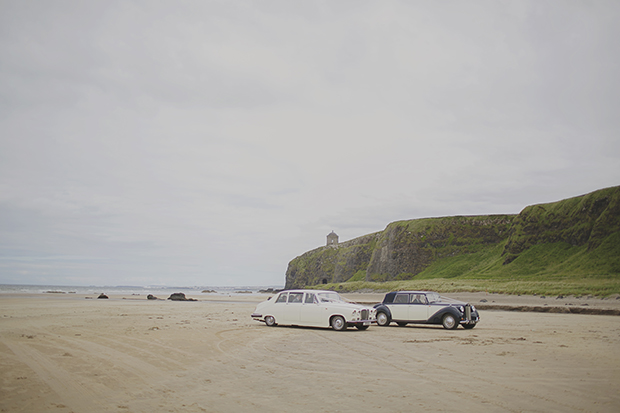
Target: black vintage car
point(425, 307)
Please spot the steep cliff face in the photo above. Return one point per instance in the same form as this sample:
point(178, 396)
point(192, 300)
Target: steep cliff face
point(584, 220)
point(334, 263)
point(401, 251)
point(406, 248)
point(588, 224)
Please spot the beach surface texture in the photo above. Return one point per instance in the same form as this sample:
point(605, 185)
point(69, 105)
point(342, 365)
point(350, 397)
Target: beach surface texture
point(77, 353)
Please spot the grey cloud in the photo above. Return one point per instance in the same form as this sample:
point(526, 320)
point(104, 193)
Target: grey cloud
point(211, 142)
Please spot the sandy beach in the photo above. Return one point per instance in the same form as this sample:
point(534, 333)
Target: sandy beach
point(70, 353)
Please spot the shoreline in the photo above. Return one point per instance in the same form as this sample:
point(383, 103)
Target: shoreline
point(588, 305)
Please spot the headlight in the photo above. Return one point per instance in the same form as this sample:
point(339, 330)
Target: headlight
point(462, 309)
point(473, 308)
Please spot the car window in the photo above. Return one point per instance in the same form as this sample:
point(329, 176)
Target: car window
point(281, 298)
point(433, 297)
point(310, 298)
point(418, 299)
point(401, 299)
point(295, 297)
point(330, 297)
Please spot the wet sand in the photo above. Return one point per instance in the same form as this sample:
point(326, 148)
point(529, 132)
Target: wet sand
point(66, 353)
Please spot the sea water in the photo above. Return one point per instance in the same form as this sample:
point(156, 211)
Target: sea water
point(158, 290)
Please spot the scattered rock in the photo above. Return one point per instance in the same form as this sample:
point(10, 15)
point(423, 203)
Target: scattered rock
point(484, 300)
point(151, 297)
point(180, 297)
point(102, 295)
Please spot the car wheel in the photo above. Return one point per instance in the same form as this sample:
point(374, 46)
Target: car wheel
point(361, 327)
point(338, 323)
point(270, 321)
point(449, 322)
point(401, 324)
point(382, 319)
point(469, 326)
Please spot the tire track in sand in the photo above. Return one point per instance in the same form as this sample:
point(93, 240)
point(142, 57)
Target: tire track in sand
point(77, 396)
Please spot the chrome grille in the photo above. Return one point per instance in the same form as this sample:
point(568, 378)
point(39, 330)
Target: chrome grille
point(364, 314)
point(467, 312)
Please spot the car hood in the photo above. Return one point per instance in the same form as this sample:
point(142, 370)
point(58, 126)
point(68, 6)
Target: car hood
point(450, 302)
point(351, 306)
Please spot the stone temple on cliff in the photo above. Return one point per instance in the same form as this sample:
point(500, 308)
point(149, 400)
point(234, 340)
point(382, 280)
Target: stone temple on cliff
point(332, 238)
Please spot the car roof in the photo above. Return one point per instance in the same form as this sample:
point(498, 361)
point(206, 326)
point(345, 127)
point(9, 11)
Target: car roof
point(307, 291)
point(413, 292)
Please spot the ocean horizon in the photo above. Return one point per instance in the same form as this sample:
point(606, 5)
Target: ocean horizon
point(129, 289)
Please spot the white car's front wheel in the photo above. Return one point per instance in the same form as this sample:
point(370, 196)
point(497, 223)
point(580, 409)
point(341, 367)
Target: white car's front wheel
point(338, 323)
point(270, 321)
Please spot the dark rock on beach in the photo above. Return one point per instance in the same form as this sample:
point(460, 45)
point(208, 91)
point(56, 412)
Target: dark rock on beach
point(180, 297)
point(102, 295)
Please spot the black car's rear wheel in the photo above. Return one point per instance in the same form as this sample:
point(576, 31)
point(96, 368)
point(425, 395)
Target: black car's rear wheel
point(449, 322)
point(382, 319)
point(270, 321)
point(338, 323)
point(469, 326)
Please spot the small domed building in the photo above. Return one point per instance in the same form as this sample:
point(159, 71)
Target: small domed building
point(332, 238)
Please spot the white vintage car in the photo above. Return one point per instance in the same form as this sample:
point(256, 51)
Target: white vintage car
point(314, 308)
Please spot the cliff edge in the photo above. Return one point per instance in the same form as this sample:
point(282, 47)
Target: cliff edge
point(576, 236)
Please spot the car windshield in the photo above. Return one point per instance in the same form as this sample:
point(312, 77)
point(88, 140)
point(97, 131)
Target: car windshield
point(433, 297)
point(331, 298)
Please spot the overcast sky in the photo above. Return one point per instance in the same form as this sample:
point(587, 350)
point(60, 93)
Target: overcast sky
point(209, 143)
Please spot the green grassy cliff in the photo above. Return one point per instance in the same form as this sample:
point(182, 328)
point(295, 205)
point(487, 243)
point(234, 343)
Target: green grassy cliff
point(577, 238)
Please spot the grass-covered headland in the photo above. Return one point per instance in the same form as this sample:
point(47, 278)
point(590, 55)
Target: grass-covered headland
point(570, 247)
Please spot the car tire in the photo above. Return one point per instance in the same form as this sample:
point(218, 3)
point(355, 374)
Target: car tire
point(469, 326)
point(449, 322)
point(338, 323)
point(383, 319)
point(361, 327)
point(401, 324)
point(270, 321)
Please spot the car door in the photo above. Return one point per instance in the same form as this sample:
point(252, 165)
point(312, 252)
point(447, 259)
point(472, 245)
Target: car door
point(278, 309)
point(292, 311)
point(418, 307)
point(312, 313)
point(400, 307)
